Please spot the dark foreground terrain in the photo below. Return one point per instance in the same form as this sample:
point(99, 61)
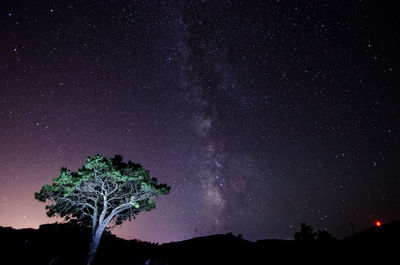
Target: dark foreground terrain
point(62, 244)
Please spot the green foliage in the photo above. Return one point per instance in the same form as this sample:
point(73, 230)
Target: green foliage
point(120, 190)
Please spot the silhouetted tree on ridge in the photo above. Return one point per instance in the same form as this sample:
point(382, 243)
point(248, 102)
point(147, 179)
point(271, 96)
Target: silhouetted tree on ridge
point(306, 234)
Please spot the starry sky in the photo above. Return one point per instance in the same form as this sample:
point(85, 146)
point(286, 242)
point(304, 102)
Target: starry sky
point(259, 114)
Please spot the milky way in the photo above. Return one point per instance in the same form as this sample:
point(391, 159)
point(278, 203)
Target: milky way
point(259, 115)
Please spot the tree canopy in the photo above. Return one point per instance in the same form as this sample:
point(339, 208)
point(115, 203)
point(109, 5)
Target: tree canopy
point(102, 191)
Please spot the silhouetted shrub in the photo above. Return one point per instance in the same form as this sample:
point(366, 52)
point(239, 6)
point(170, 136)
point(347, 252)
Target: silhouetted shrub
point(306, 233)
point(324, 235)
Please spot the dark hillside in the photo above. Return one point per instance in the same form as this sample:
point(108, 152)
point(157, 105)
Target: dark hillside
point(66, 244)
point(384, 233)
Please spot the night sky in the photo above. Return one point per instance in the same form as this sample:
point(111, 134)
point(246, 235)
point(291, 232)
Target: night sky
point(259, 114)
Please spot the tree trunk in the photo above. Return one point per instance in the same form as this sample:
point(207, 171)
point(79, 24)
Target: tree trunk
point(94, 245)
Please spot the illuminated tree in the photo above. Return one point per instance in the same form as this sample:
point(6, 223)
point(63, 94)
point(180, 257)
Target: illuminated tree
point(102, 192)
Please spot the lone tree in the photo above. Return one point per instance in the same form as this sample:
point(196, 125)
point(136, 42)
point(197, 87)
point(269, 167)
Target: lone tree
point(306, 233)
point(103, 191)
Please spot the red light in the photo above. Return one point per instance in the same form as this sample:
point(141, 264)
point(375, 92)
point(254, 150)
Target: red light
point(378, 224)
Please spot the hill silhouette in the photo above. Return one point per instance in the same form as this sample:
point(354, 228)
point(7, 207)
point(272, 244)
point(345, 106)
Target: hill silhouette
point(387, 232)
point(62, 244)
